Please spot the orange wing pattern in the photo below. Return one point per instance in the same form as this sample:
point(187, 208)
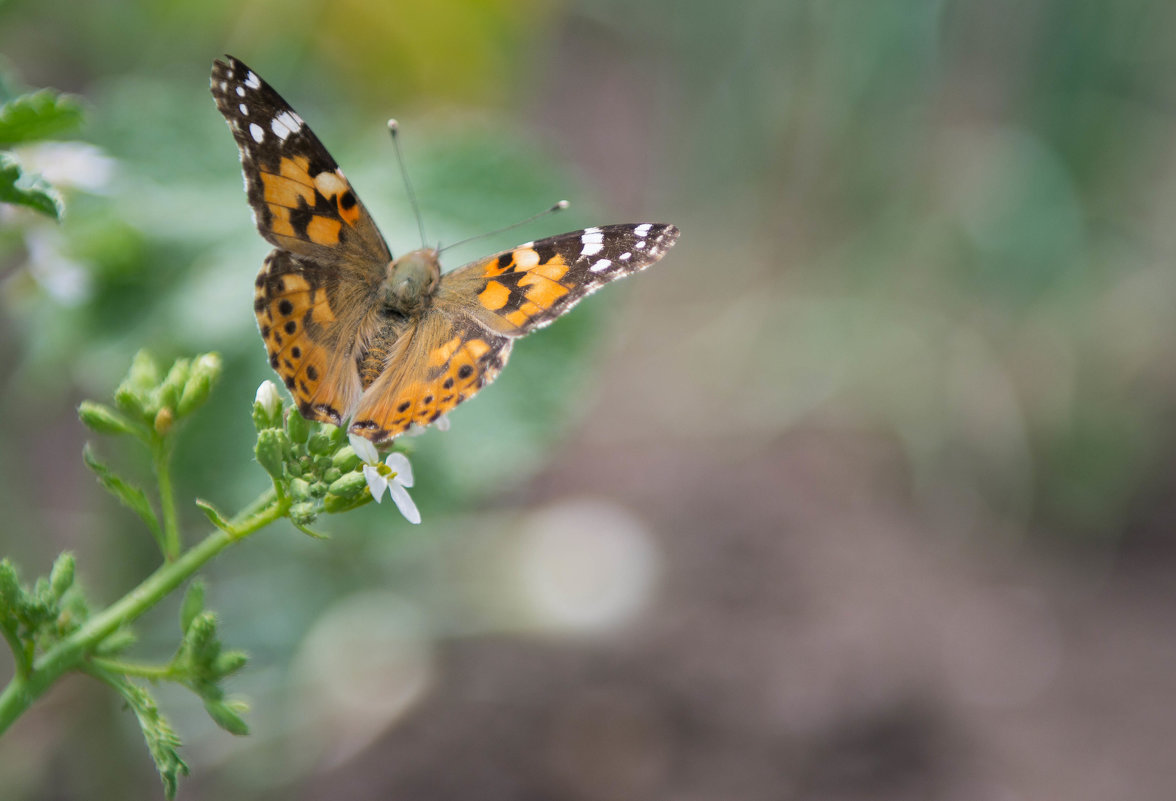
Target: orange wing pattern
point(308, 326)
point(519, 290)
point(301, 200)
point(431, 368)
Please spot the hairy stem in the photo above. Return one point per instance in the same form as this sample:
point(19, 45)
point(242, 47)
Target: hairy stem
point(70, 652)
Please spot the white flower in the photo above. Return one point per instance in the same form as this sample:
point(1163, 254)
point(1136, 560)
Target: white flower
point(393, 475)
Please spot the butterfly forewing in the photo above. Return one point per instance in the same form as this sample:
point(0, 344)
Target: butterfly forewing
point(301, 200)
point(528, 287)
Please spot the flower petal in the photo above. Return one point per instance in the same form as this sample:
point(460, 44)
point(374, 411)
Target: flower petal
point(399, 463)
point(404, 503)
point(376, 482)
point(364, 448)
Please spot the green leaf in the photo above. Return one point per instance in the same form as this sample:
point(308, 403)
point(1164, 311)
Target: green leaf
point(162, 740)
point(226, 714)
point(214, 516)
point(23, 190)
point(44, 114)
point(131, 496)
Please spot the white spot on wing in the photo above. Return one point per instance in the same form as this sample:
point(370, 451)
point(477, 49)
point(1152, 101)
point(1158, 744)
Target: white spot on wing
point(243, 109)
point(290, 120)
point(525, 258)
point(593, 239)
point(603, 264)
point(252, 81)
point(642, 230)
point(279, 129)
point(256, 132)
point(640, 244)
point(625, 256)
point(240, 91)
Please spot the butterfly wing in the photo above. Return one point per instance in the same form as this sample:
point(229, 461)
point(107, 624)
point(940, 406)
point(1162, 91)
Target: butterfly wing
point(301, 200)
point(314, 296)
point(517, 291)
point(464, 340)
point(429, 368)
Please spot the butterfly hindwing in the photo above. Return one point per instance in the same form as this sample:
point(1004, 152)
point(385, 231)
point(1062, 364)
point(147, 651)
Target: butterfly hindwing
point(301, 200)
point(431, 368)
point(307, 320)
point(528, 287)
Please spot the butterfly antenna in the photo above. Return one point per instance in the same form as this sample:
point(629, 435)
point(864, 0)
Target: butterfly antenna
point(394, 129)
point(560, 206)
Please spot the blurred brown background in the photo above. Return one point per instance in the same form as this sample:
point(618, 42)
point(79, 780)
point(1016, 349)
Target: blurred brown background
point(863, 493)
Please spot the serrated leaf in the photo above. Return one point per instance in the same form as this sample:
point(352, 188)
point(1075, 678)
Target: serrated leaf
point(131, 496)
point(44, 114)
point(25, 190)
point(162, 740)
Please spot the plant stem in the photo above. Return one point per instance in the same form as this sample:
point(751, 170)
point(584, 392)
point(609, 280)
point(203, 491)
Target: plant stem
point(161, 451)
point(23, 663)
point(67, 654)
point(151, 672)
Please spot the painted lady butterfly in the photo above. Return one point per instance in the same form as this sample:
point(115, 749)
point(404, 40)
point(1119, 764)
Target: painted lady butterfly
point(385, 343)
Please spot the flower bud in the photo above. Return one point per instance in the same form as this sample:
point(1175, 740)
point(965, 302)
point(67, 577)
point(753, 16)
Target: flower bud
point(164, 419)
point(101, 418)
point(319, 443)
point(345, 459)
point(61, 576)
point(304, 513)
point(267, 406)
point(172, 387)
point(297, 426)
point(349, 486)
point(205, 371)
point(270, 451)
point(299, 489)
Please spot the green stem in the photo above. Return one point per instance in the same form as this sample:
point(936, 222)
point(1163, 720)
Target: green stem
point(161, 451)
point(118, 667)
point(23, 663)
point(70, 652)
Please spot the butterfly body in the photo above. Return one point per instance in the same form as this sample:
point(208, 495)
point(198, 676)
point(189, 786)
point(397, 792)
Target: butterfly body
point(386, 343)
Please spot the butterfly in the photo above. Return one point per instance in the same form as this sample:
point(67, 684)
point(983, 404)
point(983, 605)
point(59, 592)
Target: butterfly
point(382, 343)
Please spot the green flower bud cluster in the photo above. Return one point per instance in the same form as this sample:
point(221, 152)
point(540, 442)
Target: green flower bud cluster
point(47, 611)
point(149, 401)
point(310, 463)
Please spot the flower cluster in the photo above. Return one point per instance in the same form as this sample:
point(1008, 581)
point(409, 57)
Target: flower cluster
point(318, 469)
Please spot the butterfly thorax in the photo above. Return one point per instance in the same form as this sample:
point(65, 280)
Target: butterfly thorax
point(411, 281)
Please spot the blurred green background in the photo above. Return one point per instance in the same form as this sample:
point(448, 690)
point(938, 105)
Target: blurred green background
point(864, 492)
